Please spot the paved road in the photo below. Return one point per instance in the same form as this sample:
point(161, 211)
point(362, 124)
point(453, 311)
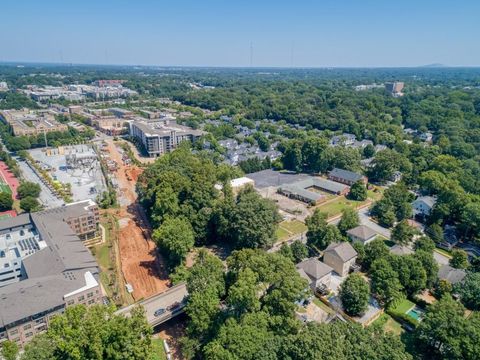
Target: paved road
point(47, 198)
point(163, 300)
point(365, 220)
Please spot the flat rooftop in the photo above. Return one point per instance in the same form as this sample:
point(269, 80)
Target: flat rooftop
point(272, 178)
point(61, 267)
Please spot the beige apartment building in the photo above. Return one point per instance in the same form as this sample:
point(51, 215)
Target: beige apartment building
point(31, 122)
point(56, 270)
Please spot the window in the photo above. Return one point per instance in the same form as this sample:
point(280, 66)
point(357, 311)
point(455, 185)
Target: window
point(29, 334)
point(28, 326)
point(81, 298)
point(89, 295)
point(13, 332)
point(90, 302)
point(70, 302)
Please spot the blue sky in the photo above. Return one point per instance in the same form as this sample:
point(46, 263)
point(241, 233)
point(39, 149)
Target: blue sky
point(301, 33)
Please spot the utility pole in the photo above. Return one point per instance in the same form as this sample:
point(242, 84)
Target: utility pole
point(251, 54)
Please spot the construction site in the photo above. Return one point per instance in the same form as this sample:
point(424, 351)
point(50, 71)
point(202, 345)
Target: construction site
point(77, 165)
point(140, 264)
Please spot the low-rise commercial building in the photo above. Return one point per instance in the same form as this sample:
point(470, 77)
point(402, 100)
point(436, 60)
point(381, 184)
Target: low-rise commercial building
point(49, 269)
point(31, 122)
point(161, 136)
point(346, 177)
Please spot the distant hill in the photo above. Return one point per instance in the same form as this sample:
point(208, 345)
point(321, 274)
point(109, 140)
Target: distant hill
point(435, 65)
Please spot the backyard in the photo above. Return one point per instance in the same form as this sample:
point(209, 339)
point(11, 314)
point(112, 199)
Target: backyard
point(289, 228)
point(335, 206)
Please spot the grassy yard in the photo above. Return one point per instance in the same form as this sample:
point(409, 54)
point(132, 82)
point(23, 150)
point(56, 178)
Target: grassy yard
point(287, 229)
point(336, 206)
point(158, 352)
point(443, 252)
point(282, 234)
point(403, 306)
point(389, 324)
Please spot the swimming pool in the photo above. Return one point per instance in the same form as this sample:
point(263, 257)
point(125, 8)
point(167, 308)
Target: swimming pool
point(416, 313)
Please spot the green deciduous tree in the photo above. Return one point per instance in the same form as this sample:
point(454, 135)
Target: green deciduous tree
point(358, 191)
point(29, 204)
point(444, 333)
point(254, 221)
point(469, 291)
point(348, 221)
point(354, 293)
point(9, 350)
point(403, 233)
point(459, 259)
point(319, 233)
point(6, 201)
point(28, 188)
point(175, 239)
point(386, 286)
point(94, 333)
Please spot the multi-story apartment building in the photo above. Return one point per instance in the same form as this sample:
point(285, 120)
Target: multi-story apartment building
point(83, 217)
point(160, 136)
point(31, 122)
point(44, 268)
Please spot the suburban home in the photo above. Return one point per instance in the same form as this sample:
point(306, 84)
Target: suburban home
point(423, 205)
point(346, 177)
point(362, 234)
point(316, 272)
point(341, 257)
point(400, 250)
point(450, 274)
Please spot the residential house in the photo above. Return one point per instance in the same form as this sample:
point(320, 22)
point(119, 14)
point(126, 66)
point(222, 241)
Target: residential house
point(362, 234)
point(341, 257)
point(450, 274)
point(316, 272)
point(400, 250)
point(344, 139)
point(346, 177)
point(423, 205)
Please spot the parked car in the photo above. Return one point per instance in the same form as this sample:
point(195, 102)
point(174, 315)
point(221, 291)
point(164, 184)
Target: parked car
point(159, 312)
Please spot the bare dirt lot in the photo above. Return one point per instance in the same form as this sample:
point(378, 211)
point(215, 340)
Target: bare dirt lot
point(142, 267)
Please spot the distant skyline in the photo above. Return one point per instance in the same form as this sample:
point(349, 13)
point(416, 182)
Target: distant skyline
point(302, 33)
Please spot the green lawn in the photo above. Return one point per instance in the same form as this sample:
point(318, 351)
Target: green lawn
point(336, 206)
point(102, 253)
point(282, 234)
point(389, 324)
point(290, 228)
point(158, 352)
point(443, 252)
point(294, 226)
point(403, 306)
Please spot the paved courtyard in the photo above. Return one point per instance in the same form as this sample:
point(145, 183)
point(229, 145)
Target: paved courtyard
point(77, 165)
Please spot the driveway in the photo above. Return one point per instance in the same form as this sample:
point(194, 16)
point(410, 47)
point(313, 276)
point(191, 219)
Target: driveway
point(366, 220)
point(47, 198)
point(440, 258)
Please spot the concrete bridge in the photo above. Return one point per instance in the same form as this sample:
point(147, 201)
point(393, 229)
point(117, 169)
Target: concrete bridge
point(172, 301)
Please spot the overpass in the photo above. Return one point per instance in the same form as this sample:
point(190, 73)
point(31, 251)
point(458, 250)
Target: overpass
point(172, 301)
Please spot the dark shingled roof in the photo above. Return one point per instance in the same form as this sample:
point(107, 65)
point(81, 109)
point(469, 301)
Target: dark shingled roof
point(314, 268)
point(343, 250)
point(345, 174)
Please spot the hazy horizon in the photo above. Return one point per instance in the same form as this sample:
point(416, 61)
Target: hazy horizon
point(263, 34)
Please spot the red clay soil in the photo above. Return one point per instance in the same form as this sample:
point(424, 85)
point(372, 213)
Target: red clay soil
point(9, 178)
point(142, 267)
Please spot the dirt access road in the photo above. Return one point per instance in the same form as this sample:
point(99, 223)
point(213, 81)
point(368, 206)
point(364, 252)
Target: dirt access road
point(141, 266)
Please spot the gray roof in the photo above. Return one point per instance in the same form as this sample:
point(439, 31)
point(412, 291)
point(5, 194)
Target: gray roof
point(452, 275)
point(267, 178)
point(52, 272)
point(314, 268)
point(20, 220)
point(343, 250)
point(301, 187)
point(401, 250)
point(362, 232)
point(427, 200)
point(345, 174)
